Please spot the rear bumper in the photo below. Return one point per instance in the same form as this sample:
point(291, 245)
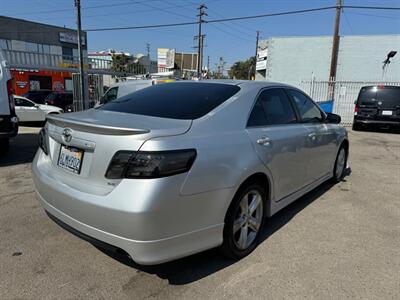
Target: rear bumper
point(8, 126)
point(149, 227)
point(382, 122)
point(142, 252)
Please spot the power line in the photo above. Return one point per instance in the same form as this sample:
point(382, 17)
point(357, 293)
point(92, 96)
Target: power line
point(348, 22)
point(83, 8)
point(371, 7)
point(224, 20)
point(213, 21)
point(231, 34)
point(242, 18)
point(373, 15)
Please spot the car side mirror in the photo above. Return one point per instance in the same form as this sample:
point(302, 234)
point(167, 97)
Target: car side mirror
point(333, 118)
point(37, 106)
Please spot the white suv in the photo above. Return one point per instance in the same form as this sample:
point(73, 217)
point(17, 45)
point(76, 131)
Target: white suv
point(8, 118)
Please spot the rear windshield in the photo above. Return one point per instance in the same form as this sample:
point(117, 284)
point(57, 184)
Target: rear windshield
point(185, 100)
point(388, 95)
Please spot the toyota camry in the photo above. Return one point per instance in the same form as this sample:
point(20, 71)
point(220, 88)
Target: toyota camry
point(175, 169)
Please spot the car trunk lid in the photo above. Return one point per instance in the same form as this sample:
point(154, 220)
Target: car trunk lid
point(81, 145)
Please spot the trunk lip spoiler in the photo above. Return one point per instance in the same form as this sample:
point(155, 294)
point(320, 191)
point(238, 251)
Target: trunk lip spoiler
point(93, 128)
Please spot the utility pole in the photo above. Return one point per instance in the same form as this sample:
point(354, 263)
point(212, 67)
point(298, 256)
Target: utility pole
point(202, 13)
point(255, 59)
point(82, 105)
point(208, 66)
point(220, 67)
point(148, 57)
point(335, 50)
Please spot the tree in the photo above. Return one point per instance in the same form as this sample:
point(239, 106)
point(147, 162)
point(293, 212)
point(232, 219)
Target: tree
point(243, 69)
point(124, 64)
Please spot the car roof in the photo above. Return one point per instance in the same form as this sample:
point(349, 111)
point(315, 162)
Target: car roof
point(22, 97)
point(244, 83)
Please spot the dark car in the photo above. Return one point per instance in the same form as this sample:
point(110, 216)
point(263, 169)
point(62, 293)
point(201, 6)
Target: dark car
point(63, 100)
point(379, 106)
point(37, 96)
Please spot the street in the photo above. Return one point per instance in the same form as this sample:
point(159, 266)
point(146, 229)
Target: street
point(336, 242)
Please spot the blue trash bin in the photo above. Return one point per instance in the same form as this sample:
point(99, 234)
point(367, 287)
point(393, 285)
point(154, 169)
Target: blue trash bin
point(326, 106)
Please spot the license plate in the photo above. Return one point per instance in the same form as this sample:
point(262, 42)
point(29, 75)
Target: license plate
point(387, 112)
point(70, 158)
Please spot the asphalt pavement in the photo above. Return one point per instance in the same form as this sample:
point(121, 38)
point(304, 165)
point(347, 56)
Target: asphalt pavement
point(337, 242)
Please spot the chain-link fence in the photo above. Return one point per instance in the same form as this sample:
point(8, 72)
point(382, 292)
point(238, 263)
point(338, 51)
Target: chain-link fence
point(344, 94)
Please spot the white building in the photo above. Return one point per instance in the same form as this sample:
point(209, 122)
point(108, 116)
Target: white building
point(360, 58)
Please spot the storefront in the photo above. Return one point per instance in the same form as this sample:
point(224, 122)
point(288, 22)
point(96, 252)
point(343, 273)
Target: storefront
point(31, 80)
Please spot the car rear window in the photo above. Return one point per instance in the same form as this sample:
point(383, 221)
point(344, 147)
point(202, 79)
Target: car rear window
point(367, 96)
point(388, 95)
point(185, 100)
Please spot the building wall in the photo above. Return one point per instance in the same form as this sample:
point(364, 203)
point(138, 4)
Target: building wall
point(361, 57)
point(292, 59)
point(25, 79)
point(27, 31)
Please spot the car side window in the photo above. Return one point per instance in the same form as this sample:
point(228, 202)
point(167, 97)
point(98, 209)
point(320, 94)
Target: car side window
point(308, 110)
point(23, 102)
point(111, 94)
point(272, 108)
point(18, 101)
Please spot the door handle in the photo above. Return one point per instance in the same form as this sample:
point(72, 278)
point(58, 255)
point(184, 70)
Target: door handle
point(263, 141)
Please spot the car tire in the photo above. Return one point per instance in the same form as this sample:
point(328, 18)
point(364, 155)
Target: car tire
point(4, 146)
point(243, 223)
point(340, 164)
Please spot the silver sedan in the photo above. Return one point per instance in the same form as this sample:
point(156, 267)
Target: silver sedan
point(179, 168)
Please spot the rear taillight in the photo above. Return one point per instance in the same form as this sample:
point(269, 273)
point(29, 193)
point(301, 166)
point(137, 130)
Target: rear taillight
point(355, 110)
point(128, 164)
point(43, 141)
point(10, 92)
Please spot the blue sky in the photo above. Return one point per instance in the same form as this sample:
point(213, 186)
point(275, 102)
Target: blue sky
point(231, 40)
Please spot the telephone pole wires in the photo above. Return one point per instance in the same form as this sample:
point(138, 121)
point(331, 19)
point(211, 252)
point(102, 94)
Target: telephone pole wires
point(148, 57)
point(255, 58)
point(82, 104)
point(201, 14)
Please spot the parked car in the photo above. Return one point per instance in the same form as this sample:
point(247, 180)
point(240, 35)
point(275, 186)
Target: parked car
point(37, 96)
point(28, 111)
point(62, 100)
point(378, 106)
point(178, 168)
point(8, 118)
point(124, 88)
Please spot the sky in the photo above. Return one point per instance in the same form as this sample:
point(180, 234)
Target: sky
point(234, 40)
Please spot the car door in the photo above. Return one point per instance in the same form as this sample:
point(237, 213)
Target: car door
point(28, 111)
point(20, 109)
point(321, 141)
point(279, 140)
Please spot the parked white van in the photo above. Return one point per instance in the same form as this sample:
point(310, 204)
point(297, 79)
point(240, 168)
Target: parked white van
point(8, 118)
point(126, 87)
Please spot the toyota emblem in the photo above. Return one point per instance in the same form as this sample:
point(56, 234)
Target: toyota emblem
point(67, 135)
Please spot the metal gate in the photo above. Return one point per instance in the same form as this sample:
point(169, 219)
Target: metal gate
point(345, 93)
point(94, 90)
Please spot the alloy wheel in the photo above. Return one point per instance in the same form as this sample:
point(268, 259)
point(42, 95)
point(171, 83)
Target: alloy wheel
point(340, 163)
point(248, 219)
